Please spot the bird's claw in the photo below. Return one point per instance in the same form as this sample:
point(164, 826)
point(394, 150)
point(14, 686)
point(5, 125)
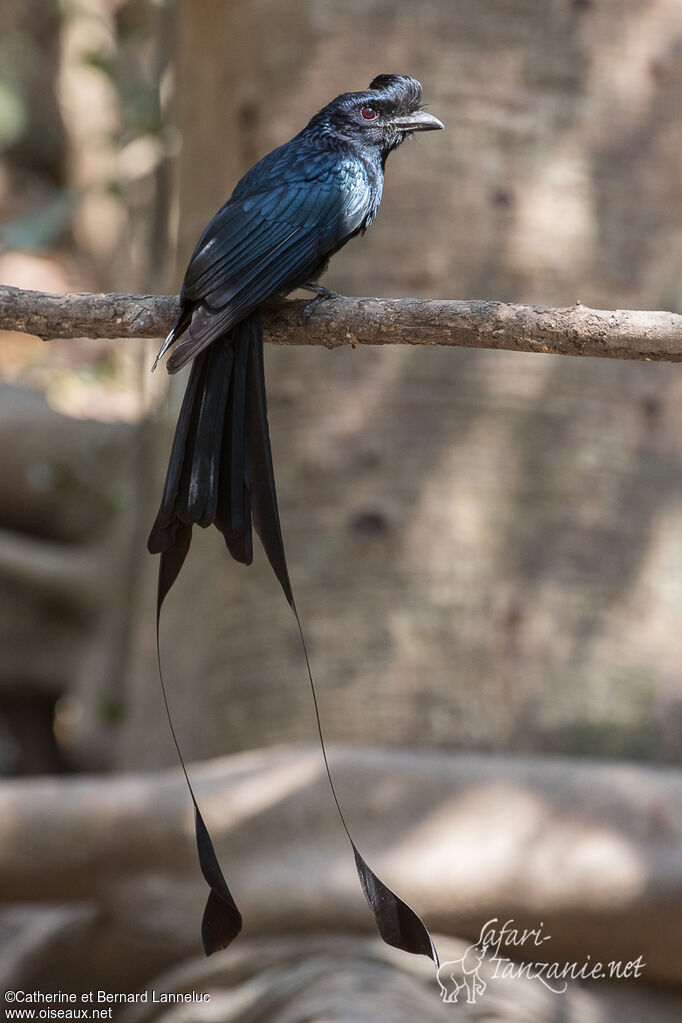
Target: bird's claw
point(321, 295)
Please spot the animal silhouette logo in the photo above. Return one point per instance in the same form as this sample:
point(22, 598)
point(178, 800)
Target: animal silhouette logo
point(463, 975)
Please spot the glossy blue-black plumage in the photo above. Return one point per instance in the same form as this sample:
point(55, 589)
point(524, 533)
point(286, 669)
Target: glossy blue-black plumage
point(277, 231)
point(287, 216)
point(292, 210)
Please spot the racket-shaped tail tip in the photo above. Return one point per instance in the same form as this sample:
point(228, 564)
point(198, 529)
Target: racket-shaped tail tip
point(397, 922)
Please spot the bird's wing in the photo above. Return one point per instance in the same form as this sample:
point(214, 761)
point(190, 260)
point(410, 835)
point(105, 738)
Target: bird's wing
point(264, 243)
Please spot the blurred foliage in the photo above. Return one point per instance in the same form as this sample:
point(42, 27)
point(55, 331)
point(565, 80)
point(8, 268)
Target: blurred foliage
point(82, 151)
point(20, 56)
point(13, 120)
point(131, 65)
point(37, 199)
point(39, 229)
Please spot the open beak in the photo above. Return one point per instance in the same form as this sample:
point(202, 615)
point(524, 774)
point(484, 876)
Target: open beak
point(418, 121)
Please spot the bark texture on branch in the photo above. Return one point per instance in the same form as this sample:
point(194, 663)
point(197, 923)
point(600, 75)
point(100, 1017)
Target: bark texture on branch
point(574, 330)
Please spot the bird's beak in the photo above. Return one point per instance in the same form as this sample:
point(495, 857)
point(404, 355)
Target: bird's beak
point(418, 121)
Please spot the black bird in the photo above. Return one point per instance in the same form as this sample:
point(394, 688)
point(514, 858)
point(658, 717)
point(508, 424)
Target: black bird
point(287, 216)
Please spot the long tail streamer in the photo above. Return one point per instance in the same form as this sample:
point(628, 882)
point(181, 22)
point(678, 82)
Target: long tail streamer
point(221, 472)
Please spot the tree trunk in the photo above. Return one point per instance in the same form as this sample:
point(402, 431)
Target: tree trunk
point(484, 546)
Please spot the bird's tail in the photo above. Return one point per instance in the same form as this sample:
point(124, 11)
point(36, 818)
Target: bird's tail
point(220, 471)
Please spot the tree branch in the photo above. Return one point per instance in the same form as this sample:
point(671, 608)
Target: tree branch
point(574, 330)
point(605, 874)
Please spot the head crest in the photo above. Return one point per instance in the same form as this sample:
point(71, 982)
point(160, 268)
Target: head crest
point(405, 92)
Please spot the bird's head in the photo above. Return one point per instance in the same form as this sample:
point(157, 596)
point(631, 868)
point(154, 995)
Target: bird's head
point(381, 117)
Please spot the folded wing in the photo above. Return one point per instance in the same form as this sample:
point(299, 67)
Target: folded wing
point(264, 244)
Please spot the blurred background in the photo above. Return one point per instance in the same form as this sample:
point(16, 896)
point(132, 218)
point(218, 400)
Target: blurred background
point(485, 546)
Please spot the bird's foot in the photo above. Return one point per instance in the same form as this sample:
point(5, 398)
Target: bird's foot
point(321, 295)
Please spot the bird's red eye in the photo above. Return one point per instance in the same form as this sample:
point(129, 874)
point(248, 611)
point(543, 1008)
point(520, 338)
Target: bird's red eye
point(369, 113)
